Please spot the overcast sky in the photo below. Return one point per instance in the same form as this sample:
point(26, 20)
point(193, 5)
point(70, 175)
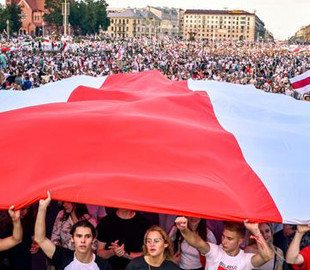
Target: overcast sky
point(282, 17)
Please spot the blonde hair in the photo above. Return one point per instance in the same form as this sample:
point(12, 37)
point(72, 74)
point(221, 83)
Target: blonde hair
point(168, 253)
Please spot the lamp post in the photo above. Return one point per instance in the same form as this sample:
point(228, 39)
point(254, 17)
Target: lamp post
point(8, 27)
point(43, 24)
point(65, 13)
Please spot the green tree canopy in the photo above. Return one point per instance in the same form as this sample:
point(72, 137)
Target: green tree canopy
point(13, 14)
point(86, 16)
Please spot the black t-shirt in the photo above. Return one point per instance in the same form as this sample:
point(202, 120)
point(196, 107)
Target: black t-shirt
point(128, 231)
point(63, 259)
point(140, 264)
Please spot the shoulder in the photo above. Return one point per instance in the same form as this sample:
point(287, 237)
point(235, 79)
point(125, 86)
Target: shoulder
point(60, 214)
point(137, 263)
point(62, 256)
point(102, 263)
point(105, 221)
point(64, 251)
point(211, 237)
point(169, 265)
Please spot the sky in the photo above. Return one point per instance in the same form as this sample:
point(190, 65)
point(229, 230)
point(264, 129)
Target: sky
point(282, 17)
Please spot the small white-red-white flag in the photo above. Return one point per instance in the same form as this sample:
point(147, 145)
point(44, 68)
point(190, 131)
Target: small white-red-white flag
point(301, 83)
point(120, 54)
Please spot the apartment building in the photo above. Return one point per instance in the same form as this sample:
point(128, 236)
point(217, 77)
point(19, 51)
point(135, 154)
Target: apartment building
point(219, 25)
point(133, 23)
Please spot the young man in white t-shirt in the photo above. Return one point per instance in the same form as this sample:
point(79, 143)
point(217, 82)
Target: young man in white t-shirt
point(83, 235)
point(228, 255)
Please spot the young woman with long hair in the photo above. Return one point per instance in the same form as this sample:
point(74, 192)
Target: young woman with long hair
point(157, 252)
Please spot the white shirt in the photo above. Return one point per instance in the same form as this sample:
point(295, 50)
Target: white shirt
point(218, 259)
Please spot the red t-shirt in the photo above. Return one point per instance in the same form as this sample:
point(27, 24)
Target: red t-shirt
point(306, 265)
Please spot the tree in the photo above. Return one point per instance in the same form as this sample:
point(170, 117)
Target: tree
point(86, 16)
point(94, 16)
point(53, 14)
point(14, 17)
point(13, 14)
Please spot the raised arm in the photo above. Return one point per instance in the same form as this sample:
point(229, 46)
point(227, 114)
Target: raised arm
point(191, 238)
point(264, 252)
point(17, 234)
point(293, 256)
point(39, 230)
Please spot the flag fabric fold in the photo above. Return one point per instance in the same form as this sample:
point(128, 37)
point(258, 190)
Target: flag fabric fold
point(143, 142)
point(301, 83)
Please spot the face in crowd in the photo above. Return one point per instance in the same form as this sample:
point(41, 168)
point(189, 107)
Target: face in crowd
point(232, 238)
point(266, 232)
point(83, 234)
point(157, 243)
point(82, 239)
point(68, 207)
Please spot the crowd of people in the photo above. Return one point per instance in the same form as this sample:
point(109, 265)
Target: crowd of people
point(93, 237)
point(27, 63)
point(129, 240)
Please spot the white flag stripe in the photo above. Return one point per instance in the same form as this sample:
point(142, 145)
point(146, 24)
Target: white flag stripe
point(58, 91)
point(300, 77)
point(273, 132)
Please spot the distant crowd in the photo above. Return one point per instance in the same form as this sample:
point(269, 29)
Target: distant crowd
point(27, 63)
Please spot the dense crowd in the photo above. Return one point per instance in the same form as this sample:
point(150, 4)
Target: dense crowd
point(268, 66)
point(79, 236)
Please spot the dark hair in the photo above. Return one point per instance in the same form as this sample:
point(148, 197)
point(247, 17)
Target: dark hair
point(237, 227)
point(201, 231)
point(80, 211)
point(84, 224)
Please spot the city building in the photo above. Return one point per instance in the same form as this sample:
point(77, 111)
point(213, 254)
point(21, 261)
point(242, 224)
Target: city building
point(170, 20)
point(133, 22)
point(268, 36)
point(32, 16)
point(307, 33)
point(148, 22)
point(219, 25)
point(300, 35)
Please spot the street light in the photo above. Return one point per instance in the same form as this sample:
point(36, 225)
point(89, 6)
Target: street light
point(43, 24)
point(8, 27)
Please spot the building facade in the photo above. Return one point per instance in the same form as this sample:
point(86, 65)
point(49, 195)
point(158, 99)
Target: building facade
point(307, 33)
point(133, 23)
point(300, 35)
point(169, 20)
point(32, 16)
point(145, 22)
point(220, 25)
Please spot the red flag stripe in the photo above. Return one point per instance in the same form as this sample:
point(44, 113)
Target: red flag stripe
point(301, 83)
point(140, 142)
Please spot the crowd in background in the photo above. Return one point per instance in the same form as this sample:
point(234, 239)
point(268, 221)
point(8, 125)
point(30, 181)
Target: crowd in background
point(27, 63)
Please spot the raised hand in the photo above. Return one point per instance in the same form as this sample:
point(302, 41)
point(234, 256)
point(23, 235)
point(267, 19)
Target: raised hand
point(43, 204)
point(181, 223)
point(252, 227)
point(303, 228)
point(14, 214)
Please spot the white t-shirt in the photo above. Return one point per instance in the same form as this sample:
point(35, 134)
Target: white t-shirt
point(218, 259)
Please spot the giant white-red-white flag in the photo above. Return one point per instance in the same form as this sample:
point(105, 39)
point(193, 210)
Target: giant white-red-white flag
point(141, 141)
point(301, 83)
